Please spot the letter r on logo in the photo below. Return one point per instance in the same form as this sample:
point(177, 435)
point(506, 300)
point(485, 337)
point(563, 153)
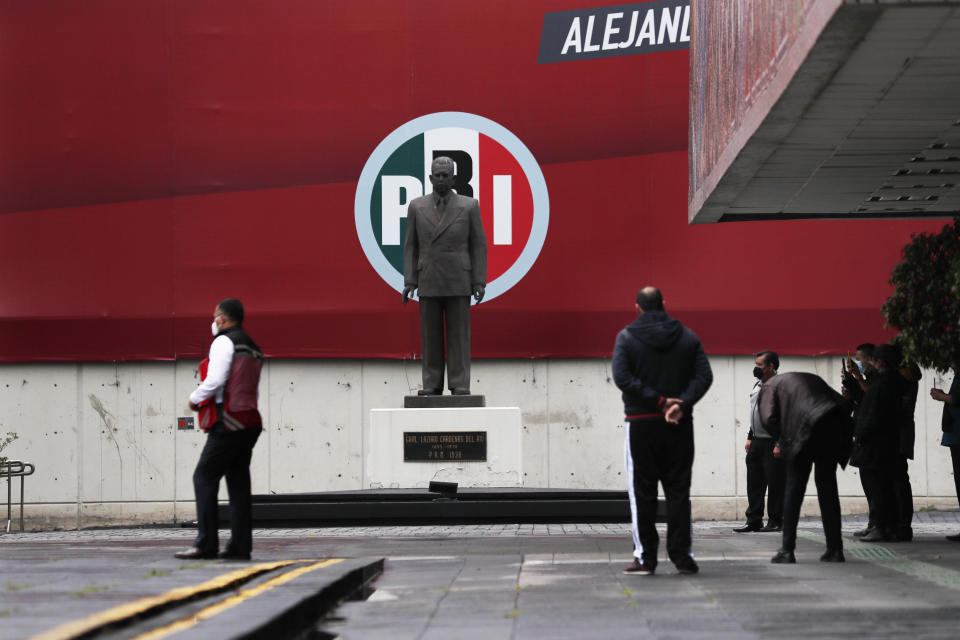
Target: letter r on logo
point(464, 169)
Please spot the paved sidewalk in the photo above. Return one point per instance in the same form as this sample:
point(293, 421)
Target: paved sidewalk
point(526, 581)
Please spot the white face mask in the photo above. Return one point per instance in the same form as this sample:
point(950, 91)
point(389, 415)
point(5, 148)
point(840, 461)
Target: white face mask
point(214, 328)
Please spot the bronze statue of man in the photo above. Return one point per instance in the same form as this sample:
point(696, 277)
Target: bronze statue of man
point(445, 258)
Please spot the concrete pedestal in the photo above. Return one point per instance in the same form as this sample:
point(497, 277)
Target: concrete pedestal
point(384, 442)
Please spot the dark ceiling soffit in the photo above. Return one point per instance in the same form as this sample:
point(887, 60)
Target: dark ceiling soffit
point(842, 35)
point(873, 215)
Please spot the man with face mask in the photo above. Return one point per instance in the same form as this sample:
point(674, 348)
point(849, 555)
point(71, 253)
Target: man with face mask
point(876, 443)
point(233, 376)
point(765, 470)
point(856, 373)
point(445, 261)
point(855, 378)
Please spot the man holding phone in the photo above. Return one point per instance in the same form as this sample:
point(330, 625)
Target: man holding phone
point(950, 425)
point(856, 374)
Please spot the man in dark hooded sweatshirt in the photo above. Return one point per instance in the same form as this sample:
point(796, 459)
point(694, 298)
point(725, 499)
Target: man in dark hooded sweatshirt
point(662, 370)
point(812, 423)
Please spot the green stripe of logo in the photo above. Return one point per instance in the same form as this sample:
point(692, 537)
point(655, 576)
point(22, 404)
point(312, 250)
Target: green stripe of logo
point(406, 163)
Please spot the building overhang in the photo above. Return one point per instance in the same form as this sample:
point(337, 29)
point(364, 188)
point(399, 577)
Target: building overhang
point(866, 124)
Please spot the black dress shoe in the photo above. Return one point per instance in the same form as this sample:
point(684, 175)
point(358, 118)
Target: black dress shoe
point(687, 567)
point(865, 531)
point(772, 526)
point(461, 392)
point(833, 555)
point(430, 392)
point(750, 526)
point(904, 534)
point(955, 538)
point(233, 555)
point(878, 534)
point(784, 557)
point(195, 554)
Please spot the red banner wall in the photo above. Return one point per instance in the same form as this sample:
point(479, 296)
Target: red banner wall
point(158, 156)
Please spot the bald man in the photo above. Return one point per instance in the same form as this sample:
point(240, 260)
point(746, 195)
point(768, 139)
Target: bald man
point(663, 371)
point(445, 261)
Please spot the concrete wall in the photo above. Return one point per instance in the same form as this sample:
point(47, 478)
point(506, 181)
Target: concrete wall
point(104, 439)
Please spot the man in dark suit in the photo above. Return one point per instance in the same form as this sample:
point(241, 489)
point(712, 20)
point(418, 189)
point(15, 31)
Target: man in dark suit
point(445, 258)
point(812, 423)
point(876, 442)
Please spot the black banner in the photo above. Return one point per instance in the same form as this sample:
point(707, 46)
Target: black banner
point(624, 30)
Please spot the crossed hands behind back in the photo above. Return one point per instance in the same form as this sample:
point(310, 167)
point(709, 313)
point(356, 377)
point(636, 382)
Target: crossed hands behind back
point(673, 410)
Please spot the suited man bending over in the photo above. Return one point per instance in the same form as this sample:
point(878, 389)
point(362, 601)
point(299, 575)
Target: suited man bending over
point(445, 258)
point(812, 423)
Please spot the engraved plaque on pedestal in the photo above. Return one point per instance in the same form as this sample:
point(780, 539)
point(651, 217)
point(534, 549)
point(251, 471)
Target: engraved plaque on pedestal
point(444, 446)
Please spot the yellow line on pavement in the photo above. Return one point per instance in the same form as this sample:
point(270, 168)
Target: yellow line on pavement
point(232, 601)
point(75, 628)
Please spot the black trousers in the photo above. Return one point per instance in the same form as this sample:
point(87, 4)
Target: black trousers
point(871, 508)
point(764, 472)
point(820, 451)
point(451, 316)
point(879, 488)
point(226, 454)
point(657, 451)
point(902, 493)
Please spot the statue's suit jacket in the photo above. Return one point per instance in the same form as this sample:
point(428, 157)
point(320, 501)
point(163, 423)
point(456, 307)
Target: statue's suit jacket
point(445, 257)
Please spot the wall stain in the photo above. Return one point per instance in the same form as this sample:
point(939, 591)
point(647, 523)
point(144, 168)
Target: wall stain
point(108, 424)
point(139, 451)
point(569, 417)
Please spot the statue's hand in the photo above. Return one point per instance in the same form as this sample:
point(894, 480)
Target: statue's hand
point(478, 291)
point(407, 292)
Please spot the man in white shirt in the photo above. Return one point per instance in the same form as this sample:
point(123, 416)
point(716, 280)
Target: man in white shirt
point(233, 375)
point(765, 468)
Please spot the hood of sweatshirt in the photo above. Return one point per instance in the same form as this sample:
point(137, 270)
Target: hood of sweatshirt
point(656, 329)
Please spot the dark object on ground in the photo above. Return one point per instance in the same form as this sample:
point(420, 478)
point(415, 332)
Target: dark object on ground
point(784, 557)
point(833, 555)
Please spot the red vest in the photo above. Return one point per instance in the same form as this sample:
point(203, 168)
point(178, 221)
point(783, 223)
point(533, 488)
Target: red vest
point(239, 408)
point(240, 394)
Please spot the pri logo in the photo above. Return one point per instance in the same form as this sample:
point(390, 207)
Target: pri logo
point(493, 166)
